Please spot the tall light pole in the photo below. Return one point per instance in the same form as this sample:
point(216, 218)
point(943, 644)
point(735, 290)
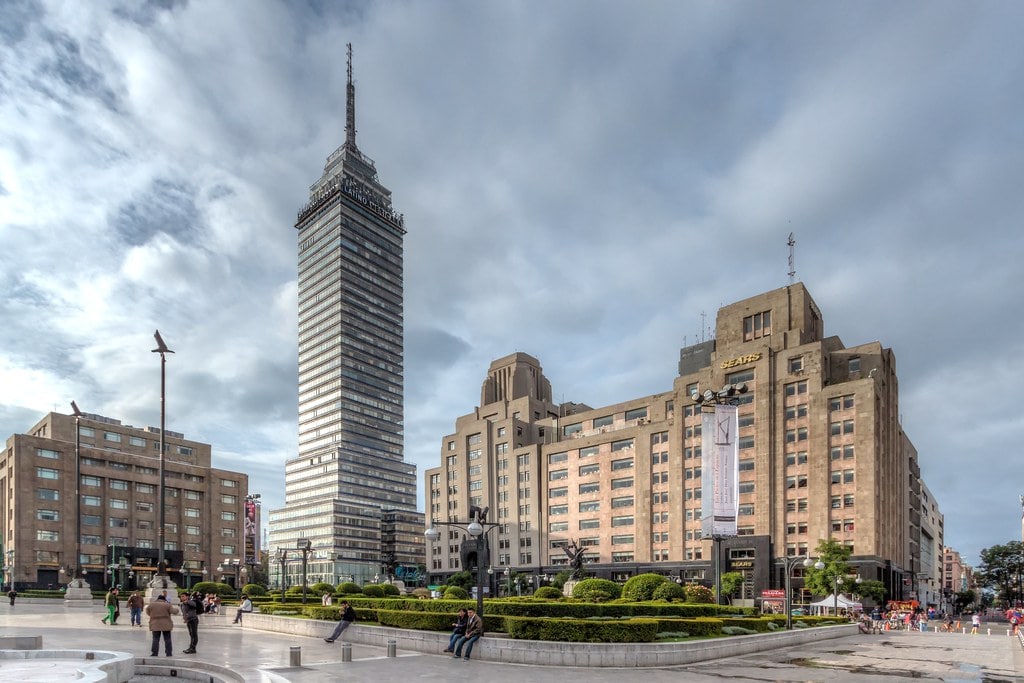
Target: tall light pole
point(281, 555)
point(807, 562)
point(304, 545)
point(77, 566)
point(478, 529)
point(162, 349)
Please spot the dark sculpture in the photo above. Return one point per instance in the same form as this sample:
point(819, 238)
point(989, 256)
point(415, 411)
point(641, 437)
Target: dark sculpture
point(575, 554)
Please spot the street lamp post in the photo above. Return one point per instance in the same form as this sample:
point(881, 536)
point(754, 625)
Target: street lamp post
point(508, 581)
point(807, 562)
point(478, 529)
point(281, 555)
point(304, 545)
point(162, 349)
point(76, 567)
point(835, 596)
point(229, 566)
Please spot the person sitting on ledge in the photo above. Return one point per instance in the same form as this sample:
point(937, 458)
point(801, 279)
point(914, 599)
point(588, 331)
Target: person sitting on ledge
point(246, 606)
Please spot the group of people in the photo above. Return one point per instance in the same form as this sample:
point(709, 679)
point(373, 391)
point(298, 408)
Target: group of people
point(915, 620)
point(466, 630)
point(160, 611)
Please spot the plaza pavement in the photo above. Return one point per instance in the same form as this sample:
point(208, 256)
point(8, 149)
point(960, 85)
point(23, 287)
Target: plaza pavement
point(264, 657)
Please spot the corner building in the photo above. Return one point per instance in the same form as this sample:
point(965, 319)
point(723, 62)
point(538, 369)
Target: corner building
point(349, 493)
point(97, 519)
point(821, 455)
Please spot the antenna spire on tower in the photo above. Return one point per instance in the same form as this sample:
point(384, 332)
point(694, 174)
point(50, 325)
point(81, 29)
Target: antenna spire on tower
point(792, 257)
point(350, 105)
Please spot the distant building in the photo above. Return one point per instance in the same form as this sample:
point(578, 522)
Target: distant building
point(821, 455)
point(101, 524)
point(349, 493)
point(957, 576)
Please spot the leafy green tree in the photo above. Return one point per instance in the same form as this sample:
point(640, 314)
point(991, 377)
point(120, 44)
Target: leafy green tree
point(963, 600)
point(642, 586)
point(462, 580)
point(731, 582)
point(1001, 569)
point(835, 557)
point(560, 579)
point(669, 591)
point(871, 589)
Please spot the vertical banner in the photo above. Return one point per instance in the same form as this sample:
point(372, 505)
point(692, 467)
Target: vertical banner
point(719, 471)
point(251, 530)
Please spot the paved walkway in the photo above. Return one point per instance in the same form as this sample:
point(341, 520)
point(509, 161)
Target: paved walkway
point(264, 657)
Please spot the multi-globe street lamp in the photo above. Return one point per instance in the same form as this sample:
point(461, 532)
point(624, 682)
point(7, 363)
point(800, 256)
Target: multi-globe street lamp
point(791, 564)
point(161, 569)
point(305, 546)
point(478, 529)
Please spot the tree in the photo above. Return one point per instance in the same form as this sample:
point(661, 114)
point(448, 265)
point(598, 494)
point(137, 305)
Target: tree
point(963, 600)
point(871, 589)
point(462, 580)
point(731, 582)
point(1001, 569)
point(560, 579)
point(834, 555)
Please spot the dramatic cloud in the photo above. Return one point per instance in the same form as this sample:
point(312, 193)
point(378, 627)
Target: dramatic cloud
point(583, 181)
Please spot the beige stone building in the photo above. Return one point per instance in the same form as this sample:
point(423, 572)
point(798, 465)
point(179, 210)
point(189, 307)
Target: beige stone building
point(102, 524)
point(821, 455)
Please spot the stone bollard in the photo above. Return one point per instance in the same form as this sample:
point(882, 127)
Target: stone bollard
point(346, 652)
point(391, 648)
point(988, 631)
point(295, 656)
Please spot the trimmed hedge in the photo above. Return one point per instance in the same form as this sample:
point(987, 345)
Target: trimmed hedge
point(641, 587)
point(582, 631)
point(701, 626)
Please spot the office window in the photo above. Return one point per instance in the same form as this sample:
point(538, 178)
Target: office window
point(92, 501)
point(554, 458)
point(757, 325)
point(47, 453)
point(622, 539)
point(590, 506)
point(796, 364)
point(145, 524)
point(118, 484)
point(193, 495)
point(590, 488)
point(558, 492)
point(44, 535)
point(118, 504)
point(137, 441)
point(603, 421)
point(91, 481)
point(143, 506)
point(622, 502)
point(847, 426)
point(228, 532)
point(746, 510)
point(558, 510)
point(624, 483)
point(625, 520)
point(746, 487)
point(229, 483)
point(554, 527)
point(569, 430)
point(847, 476)
point(89, 539)
point(589, 469)
point(555, 475)
point(112, 436)
point(48, 515)
point(746, 465)
point(118, 522)
point(746, 442)
point(848, 500)
point(87, 432)
point(47, 473)
point(192, 512)
point(474, 454)
point(621, 445)
point(796, 388)
point(228, 516)
point(855, 364)
point(623, 464)
point(837, 502)
point(590, 524)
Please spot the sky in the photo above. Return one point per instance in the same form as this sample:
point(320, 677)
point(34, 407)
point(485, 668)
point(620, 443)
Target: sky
point(585, 181)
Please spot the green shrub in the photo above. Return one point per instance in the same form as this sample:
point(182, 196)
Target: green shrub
point(421, 593)
point(737, 631)
point(698, 594)
point(592, 586)
point(349, 588)
point(672, 635)
point(390, 589)
point(583, 631)
point(253, 590)
point(547, 593)
point(372, 590)
point(455, 593)
point(669, 591)
point(641, 587)
point(321, 588)
point(701, 626)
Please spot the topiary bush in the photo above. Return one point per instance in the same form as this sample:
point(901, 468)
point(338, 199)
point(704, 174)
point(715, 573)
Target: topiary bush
point(583, 631)
point(349, 588)
point(641, 587)
point(456, 593)
point(698, 594)
point(669, 591)
point(548, 593)
point(421, 593)
point(254, 590)
point(588, 589)
point(390, 589)
point(321, 588)
point(372, 590)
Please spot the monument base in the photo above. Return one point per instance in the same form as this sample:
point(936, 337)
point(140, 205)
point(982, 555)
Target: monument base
point(162, 585)
point(78, 594)
point(568, 586)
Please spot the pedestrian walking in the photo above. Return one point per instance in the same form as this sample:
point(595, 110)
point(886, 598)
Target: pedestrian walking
point(348, 615)
point(975, 623)
point(110, 602)
point(12, 594)
point(135, 605)
point(474, 630)
point(190, 607)
point(160, 624)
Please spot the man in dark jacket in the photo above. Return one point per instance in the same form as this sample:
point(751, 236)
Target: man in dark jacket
point(190, 608)
point(348, 615)
point(160, 624)
point(474, 629)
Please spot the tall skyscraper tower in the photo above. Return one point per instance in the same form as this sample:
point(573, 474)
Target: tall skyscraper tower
point(349, 493)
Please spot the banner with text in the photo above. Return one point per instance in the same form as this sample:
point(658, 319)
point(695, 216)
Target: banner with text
point(719, 472)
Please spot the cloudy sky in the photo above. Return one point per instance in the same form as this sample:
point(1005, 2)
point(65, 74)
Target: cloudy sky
point(580, 181)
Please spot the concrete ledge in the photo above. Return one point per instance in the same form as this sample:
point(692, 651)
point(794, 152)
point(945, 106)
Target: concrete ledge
point(21, 642)
point(550, 653)
point(186, 669)
point(97, 666)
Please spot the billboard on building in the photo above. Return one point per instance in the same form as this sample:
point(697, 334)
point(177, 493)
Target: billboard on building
point(719, 471)
point(252, 532)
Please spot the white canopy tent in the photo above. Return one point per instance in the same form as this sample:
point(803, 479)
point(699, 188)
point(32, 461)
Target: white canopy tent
point(829, 604)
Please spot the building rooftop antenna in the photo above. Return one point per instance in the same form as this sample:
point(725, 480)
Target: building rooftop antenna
point(350, 105)
point(792, 257)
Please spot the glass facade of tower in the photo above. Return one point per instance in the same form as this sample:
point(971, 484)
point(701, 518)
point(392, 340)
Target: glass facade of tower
point(349, 482)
